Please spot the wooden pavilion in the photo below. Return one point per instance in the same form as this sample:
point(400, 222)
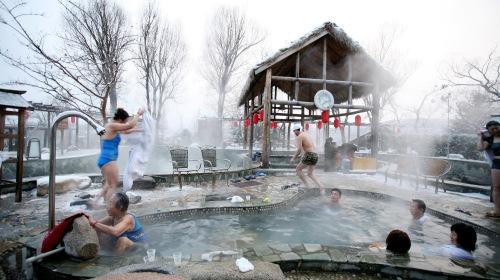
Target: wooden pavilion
point(13, 104)
point(284, 85)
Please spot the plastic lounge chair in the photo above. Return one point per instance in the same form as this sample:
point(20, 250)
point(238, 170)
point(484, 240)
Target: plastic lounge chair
point(434, 168)
point(213, 165)
point(180, 163)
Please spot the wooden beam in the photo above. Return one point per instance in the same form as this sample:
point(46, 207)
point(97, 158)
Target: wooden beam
point(321, 81)
point(311, 104)
point(324, 63)
point(20, 151)
point(254, 110)
point(266, 135)
point(9, 135)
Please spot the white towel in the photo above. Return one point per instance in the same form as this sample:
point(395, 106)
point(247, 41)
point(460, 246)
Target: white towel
point(142, 144)
point(244, 265)
point(236, 199)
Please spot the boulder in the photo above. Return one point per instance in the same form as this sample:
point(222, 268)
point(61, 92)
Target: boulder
point(229, 270)
point(82, 241)
point(64, 184)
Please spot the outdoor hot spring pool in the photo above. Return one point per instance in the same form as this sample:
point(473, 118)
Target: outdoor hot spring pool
point(358, 221)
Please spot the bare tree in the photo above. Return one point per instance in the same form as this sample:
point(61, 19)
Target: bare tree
point(84, 73)
point(473, 111)
point(385, 51)
point(485, 74)
point(418, 110)
point(229, 37)
point(160, 57)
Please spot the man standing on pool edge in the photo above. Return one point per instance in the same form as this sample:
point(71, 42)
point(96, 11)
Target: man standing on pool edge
point(305, 147)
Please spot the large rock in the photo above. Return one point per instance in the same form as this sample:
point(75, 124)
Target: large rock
point(82, 241)
point(64, 184)
point(144, 183)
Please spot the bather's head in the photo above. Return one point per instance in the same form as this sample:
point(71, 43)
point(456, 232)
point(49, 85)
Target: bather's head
point(398, 242)
point(121, 115)
point(335, 195)
point(463, 236)
point(417, 208)
point(118, 204)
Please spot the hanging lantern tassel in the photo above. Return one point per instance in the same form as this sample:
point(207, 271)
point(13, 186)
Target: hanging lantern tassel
point(325, 116)
point(320, 125)
point(336, 123)
point(357, 120)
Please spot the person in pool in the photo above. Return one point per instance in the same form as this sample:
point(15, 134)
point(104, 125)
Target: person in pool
point(463, 242)
point(417, 211)
point(110, 142)
point(335, 195)
point(397, 242)
point(124, 228)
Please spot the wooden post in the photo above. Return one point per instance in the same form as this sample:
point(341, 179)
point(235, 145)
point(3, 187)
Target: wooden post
point(375, 120)
point(297, 74)
point(349, 98)
point(325, 129)
point(266, 135)
point(250, 142)
point(62, 140)
point(20, 150)
point(245, 128)
point(302, 117)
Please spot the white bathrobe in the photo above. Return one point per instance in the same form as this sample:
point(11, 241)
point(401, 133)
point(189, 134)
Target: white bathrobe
point(142, 144)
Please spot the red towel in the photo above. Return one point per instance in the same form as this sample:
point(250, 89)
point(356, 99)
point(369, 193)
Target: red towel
point(55, 236)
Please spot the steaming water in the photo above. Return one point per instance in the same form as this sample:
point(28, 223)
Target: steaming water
point(358, 221)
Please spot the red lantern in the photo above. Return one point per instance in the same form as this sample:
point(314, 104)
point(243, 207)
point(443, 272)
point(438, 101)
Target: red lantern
point(261, 115)
point(247, 122)
point(320, 125)
point(325, 116)
point(357, 120)
point(336, 123)
point(307, 126)
point(255, 118)
point(26, 114)
point(72, 119)
point(274, 125)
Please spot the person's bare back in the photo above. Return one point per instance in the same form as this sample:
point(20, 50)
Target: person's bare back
point(306, 143)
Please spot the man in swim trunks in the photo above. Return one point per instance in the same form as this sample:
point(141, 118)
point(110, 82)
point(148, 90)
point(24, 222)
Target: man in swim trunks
point(123, 228)
point(309, 159)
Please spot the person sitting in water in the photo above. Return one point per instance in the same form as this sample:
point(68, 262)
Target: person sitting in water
point(124, 228)
point(397, 242)
point(463, 242)
point(335, 195)
point(417, 210)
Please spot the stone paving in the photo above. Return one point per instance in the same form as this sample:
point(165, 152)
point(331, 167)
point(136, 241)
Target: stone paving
point(26, 222)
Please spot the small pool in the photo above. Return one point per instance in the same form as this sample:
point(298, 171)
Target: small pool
point(358, 221)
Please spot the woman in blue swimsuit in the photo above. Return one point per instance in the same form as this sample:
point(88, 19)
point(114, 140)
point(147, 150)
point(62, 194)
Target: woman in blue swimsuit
point(124, 228)
point(110, 142)
point(490, 141)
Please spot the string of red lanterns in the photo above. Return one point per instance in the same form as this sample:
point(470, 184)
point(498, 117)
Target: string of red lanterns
point(336, 123)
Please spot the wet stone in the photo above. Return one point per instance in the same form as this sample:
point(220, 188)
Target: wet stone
point(391, 271)
point(262, 251)
point(311, 248)
point(281, 247)
point(337, 255)
point(349, 267)
point(289, 256)
point(271, 258)
point(297, 247)
point(316, 257)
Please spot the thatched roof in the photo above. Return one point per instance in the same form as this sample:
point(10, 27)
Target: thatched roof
point(339, 47)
